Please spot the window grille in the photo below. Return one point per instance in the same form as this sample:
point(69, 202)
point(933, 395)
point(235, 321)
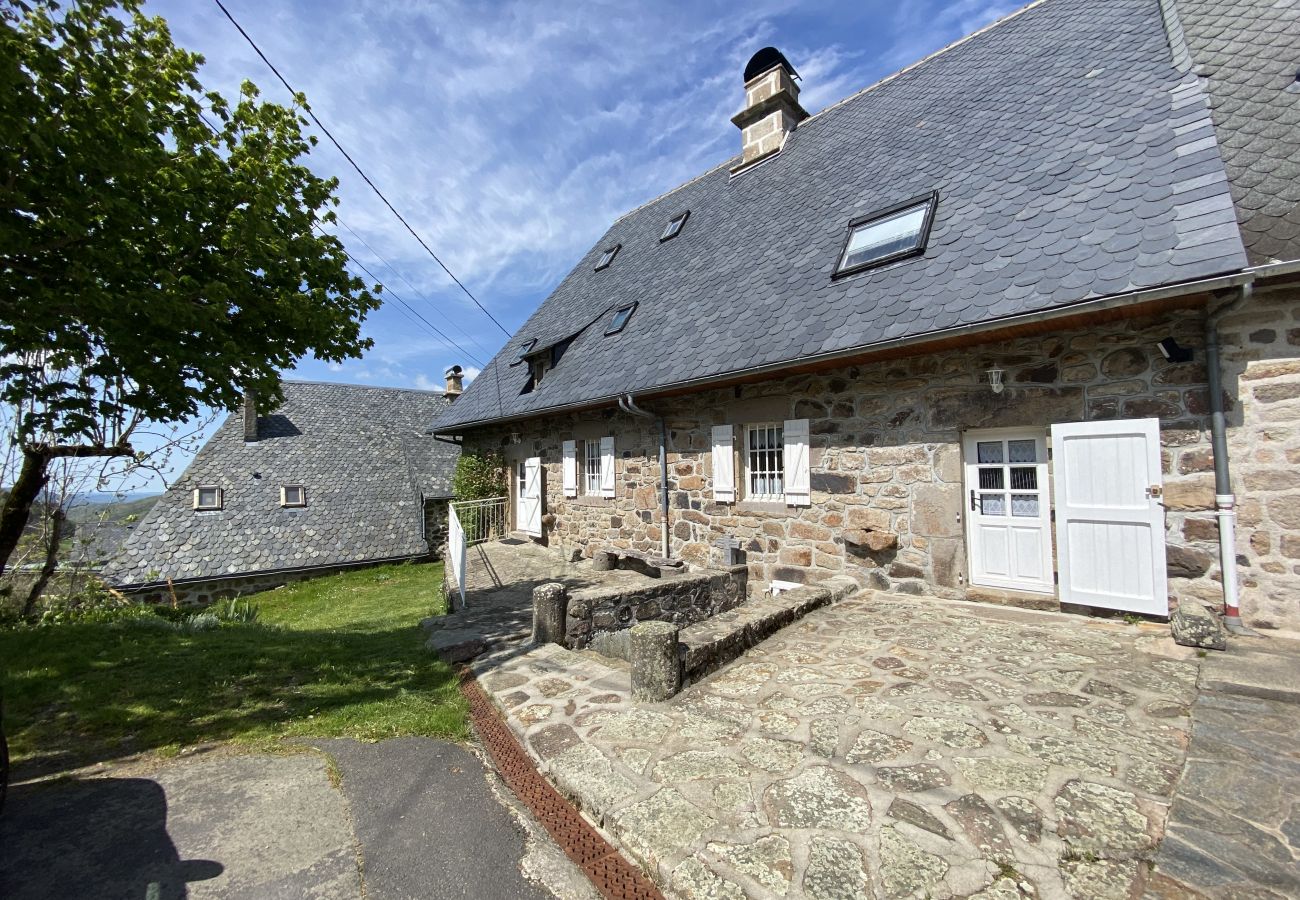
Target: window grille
point(765, 462)
point(591, 468)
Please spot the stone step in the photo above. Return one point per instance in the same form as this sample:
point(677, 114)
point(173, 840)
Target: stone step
point(718, 640)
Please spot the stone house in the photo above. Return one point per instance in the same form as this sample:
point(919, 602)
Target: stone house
point(337, 476)
point(977, 330)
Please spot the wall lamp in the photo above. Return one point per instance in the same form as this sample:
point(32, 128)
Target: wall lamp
point(995, 380)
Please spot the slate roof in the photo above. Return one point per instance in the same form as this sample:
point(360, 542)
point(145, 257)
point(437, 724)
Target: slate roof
point(1248, 52)
point(1072, 158)
point(364, 456)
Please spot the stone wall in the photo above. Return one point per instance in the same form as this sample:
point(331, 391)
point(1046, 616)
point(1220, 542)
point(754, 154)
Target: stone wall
point(203, 593)
point(1261, 352)
point(886, 455)
point(597, 613)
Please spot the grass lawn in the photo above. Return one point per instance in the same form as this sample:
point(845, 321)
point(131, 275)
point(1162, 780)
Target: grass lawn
point(341, 655)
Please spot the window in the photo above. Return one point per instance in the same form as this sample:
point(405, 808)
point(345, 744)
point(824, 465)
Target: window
point(765, 462)
point(885, 236)
point(674, 226)
point(293, 495)
point(621, 315)
point(608, 256)
point(1008, 478)
point(591, 468)
point(207, 497)
point(526, 349)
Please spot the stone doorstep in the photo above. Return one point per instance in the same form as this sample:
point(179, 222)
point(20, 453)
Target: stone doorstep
point(711, 644)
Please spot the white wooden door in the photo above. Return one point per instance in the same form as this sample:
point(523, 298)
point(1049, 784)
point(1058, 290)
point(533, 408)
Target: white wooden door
point(520, 489)
point(1109, 520)
point(531, 520)
point(1008, 510)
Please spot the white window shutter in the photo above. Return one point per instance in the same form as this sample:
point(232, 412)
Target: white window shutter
point(570, 468)
point(724, 463)
point(607, 466)
point(532, 517)
point(798, 480)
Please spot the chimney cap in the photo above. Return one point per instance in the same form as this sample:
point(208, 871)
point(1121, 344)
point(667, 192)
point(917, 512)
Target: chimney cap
point(765, 59)
point(453, 371)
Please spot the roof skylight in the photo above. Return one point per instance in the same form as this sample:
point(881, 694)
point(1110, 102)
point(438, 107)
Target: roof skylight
point(526, 348)
point(621, 315)
point(887, 235)
point(608, 256)
point(674, 226)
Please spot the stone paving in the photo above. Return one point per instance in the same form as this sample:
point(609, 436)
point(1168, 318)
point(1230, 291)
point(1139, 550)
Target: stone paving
point(884, 747)
point(1234, 829)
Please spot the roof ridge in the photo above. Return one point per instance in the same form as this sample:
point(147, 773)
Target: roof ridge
point(871, 87)
point(367, 387)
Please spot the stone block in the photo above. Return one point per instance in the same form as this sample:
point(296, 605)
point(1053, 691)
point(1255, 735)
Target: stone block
point(656, 664)
point(550, 609)
point(1187, 562)
point(1194, 625)
point(1190, 493)
point(873, 541)
point(833, 483)
point(868, 518)
point(604, 561)
point(936, 510)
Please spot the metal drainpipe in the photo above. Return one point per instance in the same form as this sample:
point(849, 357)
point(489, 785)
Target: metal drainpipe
point(626, 404)
point(1224, 500)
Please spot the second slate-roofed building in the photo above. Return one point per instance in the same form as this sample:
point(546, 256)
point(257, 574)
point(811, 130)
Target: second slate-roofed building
point(337, 476)
point(1019, 323)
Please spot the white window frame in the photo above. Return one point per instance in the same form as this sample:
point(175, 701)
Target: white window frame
point(773, 465)
point(218, 503)
point(591, 468)
point(294, 504)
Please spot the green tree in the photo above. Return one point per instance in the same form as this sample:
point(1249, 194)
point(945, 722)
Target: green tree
point(160, 248)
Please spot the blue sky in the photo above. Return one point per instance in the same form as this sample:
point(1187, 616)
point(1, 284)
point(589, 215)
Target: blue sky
point(510, 136)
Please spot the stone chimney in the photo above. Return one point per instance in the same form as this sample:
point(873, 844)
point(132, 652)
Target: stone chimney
point(250, 416)
point(454, 388)
point(772, 107)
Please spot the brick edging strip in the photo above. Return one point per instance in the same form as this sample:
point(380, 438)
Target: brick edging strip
point(612, 875)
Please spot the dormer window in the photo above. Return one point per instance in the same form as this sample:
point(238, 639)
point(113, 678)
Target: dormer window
point(293, 495)
point(608, 257)
point(208, 497)
point(887, 235)
point(621, 315)
point(526, 349)
point(674, 226)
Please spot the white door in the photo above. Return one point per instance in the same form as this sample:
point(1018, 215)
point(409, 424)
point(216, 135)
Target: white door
point(1008, 510)
point(1109, 519)
point(520, 489)
point(530, 520)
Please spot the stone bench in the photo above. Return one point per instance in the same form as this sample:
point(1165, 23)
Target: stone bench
point(635, 561)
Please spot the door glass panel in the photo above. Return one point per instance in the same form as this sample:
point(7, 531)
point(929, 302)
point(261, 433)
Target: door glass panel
point(1024, 505)
point(988, 452)
point(1022, 451)
point(1024, 478)
point(991, 479)
point(993, 504)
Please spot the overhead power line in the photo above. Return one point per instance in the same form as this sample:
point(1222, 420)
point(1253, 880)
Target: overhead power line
point(364, 176)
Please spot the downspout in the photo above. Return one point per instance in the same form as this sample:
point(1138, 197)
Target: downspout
point(626, 404)
point(1225, 501)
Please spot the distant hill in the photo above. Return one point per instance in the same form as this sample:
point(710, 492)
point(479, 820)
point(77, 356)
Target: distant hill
point(131, 508)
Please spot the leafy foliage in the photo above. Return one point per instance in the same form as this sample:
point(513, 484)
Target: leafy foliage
point(159, 248)
point(479, 475)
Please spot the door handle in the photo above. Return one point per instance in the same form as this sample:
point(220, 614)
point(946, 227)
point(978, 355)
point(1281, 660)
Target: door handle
point(972, 500)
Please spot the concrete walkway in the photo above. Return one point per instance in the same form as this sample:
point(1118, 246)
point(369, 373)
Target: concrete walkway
point(414, 818)
point(882, 747)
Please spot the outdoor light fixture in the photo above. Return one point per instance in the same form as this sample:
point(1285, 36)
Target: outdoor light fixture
point(515, 437)
point(1171, 350)
point(995, 380)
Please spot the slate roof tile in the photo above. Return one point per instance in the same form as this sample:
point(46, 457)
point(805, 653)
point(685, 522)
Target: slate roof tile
point(362, 454)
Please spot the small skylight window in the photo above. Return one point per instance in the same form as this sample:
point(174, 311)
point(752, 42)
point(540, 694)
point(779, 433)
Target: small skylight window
point(526, 348)
point(621, 315)
point(207, 497)
point(608, 257)
point(887, 235)
point(293, 495)
point(674, 226)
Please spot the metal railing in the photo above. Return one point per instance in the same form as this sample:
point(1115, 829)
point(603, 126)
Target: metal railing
point(471, 522)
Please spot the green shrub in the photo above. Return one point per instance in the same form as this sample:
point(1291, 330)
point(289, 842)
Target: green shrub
point(479, 475)
point(236, 609)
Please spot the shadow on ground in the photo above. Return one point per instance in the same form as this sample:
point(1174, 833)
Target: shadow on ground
point(104, 838)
